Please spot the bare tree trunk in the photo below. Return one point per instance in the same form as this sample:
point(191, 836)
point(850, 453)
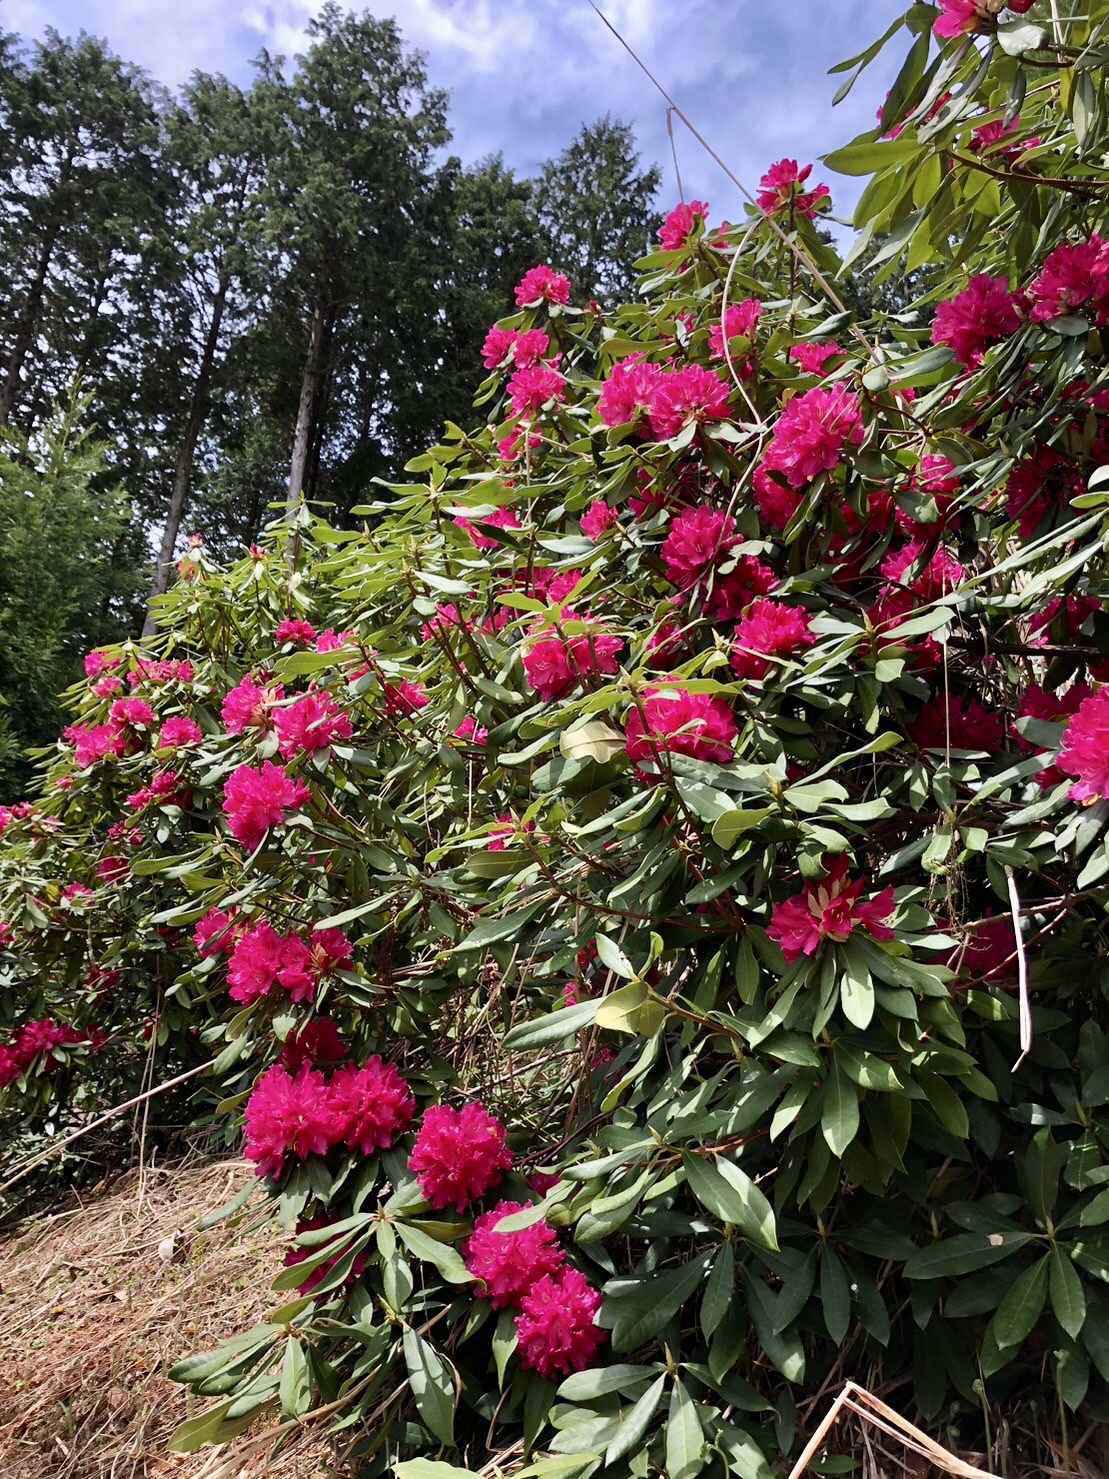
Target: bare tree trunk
point(309, 399)
point(186, 453)
point(25, 327)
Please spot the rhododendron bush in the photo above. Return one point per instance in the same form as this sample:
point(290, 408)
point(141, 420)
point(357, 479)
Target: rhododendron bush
point(642, 896)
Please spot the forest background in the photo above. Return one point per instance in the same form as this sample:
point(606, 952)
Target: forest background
point(215, 298)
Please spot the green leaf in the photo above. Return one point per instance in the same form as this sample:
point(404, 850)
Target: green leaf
point(963, 1254)
point(445, 1258)
point(835, 1293)
point(591, 740)
point(585, 1386)
point(1015, 37)
point(636, 1309)
point(614, 958)
point(727, 829)
point(738, 1199)
point(719, 1291)
point(635, 1420)
point(432, 1383)
point(430, 1468)
point(556, 1026)
point(294, 1391)
point(490, 931)
point(1020, 1309)
point(856, 994)
point(870, 157)
point(839, 1120)
point(1067, 1298)
point(630, 1009)
point(685, 1441)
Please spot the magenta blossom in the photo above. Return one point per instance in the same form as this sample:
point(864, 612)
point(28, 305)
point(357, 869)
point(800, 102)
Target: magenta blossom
point(770, 629)
point(681, 396)
point(985, 313)
point(542, 285)
point(255, 800)
point(780, 188)
point(681, 224)
point(673, 720)
point(1085, 752)
point(829, 909)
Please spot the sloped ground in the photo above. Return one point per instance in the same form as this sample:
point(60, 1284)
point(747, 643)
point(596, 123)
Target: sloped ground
point(97, 1301)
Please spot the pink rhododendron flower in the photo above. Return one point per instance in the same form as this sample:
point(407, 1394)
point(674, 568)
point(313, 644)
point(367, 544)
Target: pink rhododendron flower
point(500, 518)
point(162, 790)
point(681, 396)
point(629, 392)
point(446, 615)
point(313, 722)
point(534, 387)
point(498, 345)
point(829, 909)
point(681, 224)
point(248, 705)
point(332, 641)
point(936, 577)
point(542, 285)
point(179, 731)
point(510, 1264)
point(554, 665)
point(217, 932)
point(730, 594)
point(780, 188)
point(813, 358)
point(331, 950)
point(991, 137)
point(255, 800)
point(673, 720)
point(811, 433)
point(769, 629)
point(76, 893)
point(597, 519)
point(92, 742)
point(169, 670)
point(988, 951)
point(371, 1105)
point(1072, 277)
point(1077, 609)
point(404, 698)
point(983, 314)
point(698, 540)
point(459, 1155)
point(948, 721)
point(1085, 751)
point(96, 662)
point(556, 1326)
point(740, 322)
point(300, 632)
point(131, 713)
point(551, 585)
point(41, 1040)
point(317, 1041)
point(287, 1116)
point(957, 18)
point(507, 832)
point(776, 504)
point(262, 959)
point(113, 868)
point(1037, 485)
point(1038, 703)
point(525, 346)
point(106, 686)
point(471, 730)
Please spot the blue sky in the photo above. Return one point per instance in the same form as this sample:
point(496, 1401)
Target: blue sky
point(525, 74)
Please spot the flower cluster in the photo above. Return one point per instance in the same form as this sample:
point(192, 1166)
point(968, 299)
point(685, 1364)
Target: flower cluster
point(39, 1042)
point(829, 909)
point(672, 720)
point(257, 799)
point(306, 1113)
point(459, 1155)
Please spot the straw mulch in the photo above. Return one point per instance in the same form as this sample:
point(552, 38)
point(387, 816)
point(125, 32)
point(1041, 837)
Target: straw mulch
point(98, 1300)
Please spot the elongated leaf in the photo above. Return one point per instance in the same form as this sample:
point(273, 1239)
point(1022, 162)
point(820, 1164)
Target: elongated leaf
point(432, 1383)
point(1020, 1309)
point(634, 1421)
point(839, 1121)
point(685, 1442)
point(1067, 1298)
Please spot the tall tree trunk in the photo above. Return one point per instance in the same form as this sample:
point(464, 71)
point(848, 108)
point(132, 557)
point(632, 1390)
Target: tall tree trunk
point(309, 399)
point(25, 327)
point(186, 453)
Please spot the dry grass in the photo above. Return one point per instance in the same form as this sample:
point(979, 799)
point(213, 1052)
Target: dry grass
point(99, 1300)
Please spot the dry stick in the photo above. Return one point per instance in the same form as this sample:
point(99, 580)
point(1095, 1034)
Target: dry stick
point(1022, 973)
point(103, 1120)
point(871, 1409)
